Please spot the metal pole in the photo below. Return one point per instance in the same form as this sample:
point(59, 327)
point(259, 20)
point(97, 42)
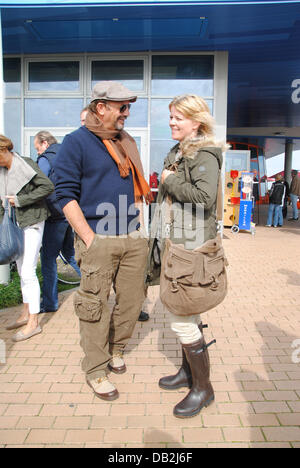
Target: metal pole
point(288, 160)
point(4, 269)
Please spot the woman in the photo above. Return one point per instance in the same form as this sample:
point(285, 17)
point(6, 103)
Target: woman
point(190, 176)
point(25, 187)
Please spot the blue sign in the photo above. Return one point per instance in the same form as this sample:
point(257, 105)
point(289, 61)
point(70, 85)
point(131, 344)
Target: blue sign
point(245, 214)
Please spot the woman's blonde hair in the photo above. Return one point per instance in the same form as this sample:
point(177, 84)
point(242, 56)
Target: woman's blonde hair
point(6, 143)
point(195, 108)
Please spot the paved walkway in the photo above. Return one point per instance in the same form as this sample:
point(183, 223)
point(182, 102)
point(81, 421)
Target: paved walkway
point(45, 402)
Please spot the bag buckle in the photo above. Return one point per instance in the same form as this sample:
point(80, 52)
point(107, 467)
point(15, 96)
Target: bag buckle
point(167, 230)
point(215, 284)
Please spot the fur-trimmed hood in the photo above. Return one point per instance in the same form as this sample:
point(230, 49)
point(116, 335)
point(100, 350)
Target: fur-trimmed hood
point(190, 147)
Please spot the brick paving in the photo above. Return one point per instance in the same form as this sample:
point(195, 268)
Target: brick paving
point(45, 402)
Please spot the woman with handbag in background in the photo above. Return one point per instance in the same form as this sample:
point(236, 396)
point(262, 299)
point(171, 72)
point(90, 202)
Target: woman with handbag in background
point(193, 275)
point(25, 187)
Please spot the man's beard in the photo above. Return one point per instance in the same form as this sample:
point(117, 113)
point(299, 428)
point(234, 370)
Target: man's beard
point(119, 125)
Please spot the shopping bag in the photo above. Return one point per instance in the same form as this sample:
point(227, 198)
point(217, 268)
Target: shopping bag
point(11, 237)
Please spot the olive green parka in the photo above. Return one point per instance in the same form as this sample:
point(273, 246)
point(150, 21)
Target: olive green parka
point(31, 206)
point(194, 182)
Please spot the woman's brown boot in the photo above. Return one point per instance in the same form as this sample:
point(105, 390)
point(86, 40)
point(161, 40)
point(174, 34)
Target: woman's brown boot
point(183, 378)
point(201, 393)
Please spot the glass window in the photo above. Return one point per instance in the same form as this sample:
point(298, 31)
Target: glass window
point(159, 150)
point(53, 76)
point(138, 142)
point(129, 72)
point(12, 76)
point(160, 116)
point(161, 141)
point(254, 166)
point(53, 112)
point(12, 122)
point(262, 174)
point(179, 74)
point(237, 160)
point(138, 114)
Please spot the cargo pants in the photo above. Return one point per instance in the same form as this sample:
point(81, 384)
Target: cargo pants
point(118, 261)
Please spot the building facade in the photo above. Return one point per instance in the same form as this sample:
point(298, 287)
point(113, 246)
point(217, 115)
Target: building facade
point(48, 92)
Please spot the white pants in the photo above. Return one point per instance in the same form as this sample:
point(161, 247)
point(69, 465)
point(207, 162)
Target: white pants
point(186, 328)
point(26, 264)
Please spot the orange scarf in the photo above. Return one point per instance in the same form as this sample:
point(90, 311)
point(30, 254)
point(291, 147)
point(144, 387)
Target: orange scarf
point(122, 148)
point(141, 188)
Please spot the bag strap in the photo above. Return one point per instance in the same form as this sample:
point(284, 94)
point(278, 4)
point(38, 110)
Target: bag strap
point(168, 212)
point(13, 215)
point(219, 205)
point(10, 211)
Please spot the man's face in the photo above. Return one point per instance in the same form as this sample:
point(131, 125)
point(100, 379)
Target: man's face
point(40, 147)
point(113, 114)
point(83, 117)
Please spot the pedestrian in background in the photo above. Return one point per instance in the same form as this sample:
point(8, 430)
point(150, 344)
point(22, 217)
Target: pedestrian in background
point(26, 187)
point(276, 202)
point(286, 199)
point(58, 235)
point(295, 194)
point(83, 114)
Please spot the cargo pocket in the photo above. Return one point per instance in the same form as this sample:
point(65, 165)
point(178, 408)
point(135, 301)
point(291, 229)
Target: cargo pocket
point(91, 279)
point(88, 309)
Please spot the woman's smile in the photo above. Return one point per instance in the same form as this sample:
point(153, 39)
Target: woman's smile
point(181, 126)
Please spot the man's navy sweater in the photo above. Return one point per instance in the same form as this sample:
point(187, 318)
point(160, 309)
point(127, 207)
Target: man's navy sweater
point(86, 172)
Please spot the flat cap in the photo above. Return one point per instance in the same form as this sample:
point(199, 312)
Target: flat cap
point(112, 91)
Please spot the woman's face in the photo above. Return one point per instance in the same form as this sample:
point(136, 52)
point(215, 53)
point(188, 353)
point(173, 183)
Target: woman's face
point(5, 158)
point(181, 126)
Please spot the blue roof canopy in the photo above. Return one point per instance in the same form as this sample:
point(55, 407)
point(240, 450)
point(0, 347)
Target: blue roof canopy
point(13, 3)
point(261, 37)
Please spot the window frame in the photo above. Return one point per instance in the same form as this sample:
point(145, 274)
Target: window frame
point(57, 93)
point(104, 58)
point(192, 53)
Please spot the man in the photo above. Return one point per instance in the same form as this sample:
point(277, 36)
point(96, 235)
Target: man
point(255, 196)
point(276, 201)
point(58, 235)
point(286, 199)
point(83, 114)
point(100, 186)
point(294, 194)
point(143, 317)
